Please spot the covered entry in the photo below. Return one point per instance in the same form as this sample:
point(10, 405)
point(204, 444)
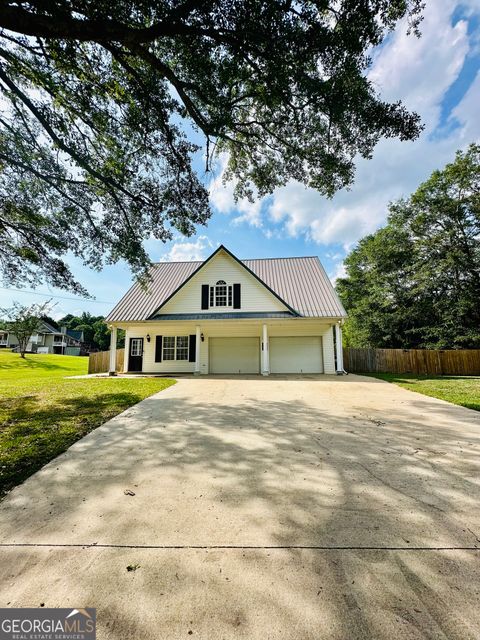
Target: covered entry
point(234, 355)
point(296, 354)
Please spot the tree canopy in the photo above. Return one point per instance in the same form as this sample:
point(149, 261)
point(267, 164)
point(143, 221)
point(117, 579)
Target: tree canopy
point(416, 282)
point(96, 334)
point(98, 97)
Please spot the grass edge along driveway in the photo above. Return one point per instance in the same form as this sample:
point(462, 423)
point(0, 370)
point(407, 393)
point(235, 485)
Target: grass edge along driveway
point(42, 413)
point(461, 390)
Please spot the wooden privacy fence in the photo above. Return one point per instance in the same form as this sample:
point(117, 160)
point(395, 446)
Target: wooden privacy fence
point(99, 362)
point(418, 361)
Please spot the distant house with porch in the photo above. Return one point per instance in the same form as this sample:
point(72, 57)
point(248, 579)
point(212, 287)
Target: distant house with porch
point(48, 339)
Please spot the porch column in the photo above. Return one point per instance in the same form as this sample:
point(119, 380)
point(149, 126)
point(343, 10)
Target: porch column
point(197, 349)
point(339, 349)
point(112, 369)
point(265, 352)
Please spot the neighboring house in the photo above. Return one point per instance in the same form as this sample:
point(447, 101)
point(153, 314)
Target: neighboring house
point(225, 315)
point(3, 339)
point(48, 339)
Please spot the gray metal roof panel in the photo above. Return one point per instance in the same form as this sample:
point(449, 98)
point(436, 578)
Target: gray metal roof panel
point(301, 282)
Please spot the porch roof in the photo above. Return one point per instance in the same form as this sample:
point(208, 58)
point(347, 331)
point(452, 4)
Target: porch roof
point(222, 316)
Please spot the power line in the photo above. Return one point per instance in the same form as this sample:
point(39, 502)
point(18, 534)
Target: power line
point(51, 295)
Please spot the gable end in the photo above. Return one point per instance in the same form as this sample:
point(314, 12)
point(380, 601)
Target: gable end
point(205, 288)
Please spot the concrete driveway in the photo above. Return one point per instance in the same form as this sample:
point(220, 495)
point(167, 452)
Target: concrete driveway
point(315, 508)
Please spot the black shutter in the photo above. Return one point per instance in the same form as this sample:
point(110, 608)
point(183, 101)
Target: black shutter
point(236, 296)
point(205, 288)
point(158, 348)
point(192, 346)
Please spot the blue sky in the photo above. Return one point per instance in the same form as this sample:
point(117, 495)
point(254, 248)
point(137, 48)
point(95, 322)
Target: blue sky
point(437, 75)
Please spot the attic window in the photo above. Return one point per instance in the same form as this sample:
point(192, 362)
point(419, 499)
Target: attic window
point(221, 294)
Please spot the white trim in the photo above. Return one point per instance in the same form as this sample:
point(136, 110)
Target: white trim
point(112, 369)
point(339, 348)
point(265, 352)
point(198, 337)
point(175, 348)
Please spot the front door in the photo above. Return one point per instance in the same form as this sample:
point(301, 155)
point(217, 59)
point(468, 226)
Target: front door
point(135, 354)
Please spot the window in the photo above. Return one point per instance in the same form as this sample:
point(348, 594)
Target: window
point(169, 347)
point(175, 347)
point(182, 348)
point(135, 346)
point(221, 294)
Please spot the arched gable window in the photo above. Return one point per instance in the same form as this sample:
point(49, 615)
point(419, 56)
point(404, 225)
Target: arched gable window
point(221, 294)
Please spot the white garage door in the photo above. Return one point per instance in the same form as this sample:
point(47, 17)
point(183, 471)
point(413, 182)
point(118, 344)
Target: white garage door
point(234, 355)
point(296, 354)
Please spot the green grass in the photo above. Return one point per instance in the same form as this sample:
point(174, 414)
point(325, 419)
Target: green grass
point(42, 413)
point(462, 390)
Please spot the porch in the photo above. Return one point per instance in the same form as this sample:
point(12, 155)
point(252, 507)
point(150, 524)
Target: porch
point(280, 346)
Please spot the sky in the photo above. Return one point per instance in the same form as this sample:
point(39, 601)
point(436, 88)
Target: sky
point(437, 75)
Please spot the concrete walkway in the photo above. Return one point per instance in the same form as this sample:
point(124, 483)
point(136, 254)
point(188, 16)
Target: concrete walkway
point(316, 508)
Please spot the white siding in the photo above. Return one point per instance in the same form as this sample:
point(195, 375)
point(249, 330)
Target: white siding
point(328, 351)
point(234, 328)
point(149, 364)
point(254, 296)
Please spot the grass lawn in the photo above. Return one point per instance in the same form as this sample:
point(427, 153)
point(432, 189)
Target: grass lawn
point(42, 413)
point(462, 390)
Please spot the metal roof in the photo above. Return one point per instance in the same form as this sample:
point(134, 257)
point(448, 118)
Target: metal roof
point(300, 282)
point(76, 335)
point(223, 316)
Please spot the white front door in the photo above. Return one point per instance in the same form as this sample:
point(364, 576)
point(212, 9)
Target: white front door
point(234, 355)
point(296, 354)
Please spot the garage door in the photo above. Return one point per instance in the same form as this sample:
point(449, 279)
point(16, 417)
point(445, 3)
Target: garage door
point(296, 354)
point(234, 355)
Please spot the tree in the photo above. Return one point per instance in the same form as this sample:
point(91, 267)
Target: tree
point(95, 330)
point(416, 282)
point(94, 152)
point(101, 335)
point(23, 321)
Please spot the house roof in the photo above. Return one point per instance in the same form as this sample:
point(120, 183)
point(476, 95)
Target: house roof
point(301, 283)
point(248, 315)
point(76, 335)
point(48, 328)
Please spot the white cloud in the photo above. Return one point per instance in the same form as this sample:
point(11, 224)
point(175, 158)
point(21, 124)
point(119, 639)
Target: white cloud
point(418, 71)
point(340, 272)
point(59, 312)
point(467, 112)
point(223, 200)
point(189, 251)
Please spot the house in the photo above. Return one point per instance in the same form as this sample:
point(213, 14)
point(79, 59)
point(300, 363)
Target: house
point(48, 339)
point(231, 316)
point(225, 315)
